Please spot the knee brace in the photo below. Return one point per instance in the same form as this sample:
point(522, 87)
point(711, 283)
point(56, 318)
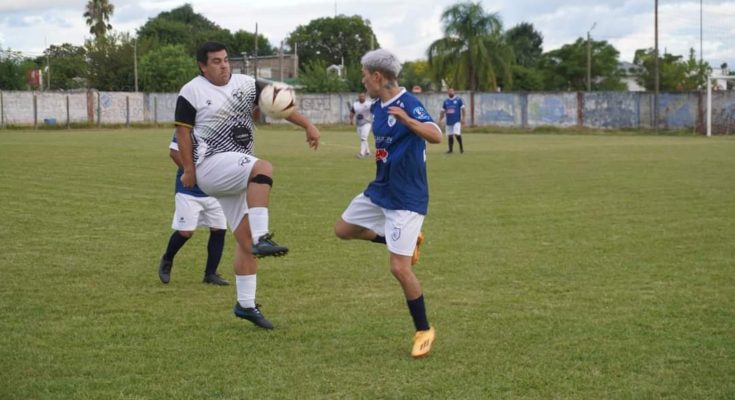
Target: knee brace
point(263, 179)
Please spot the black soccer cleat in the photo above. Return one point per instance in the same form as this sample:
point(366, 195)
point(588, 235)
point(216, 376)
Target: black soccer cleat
point(253, 315)
point(267, 247)
point(215, 279)
point(164, 270)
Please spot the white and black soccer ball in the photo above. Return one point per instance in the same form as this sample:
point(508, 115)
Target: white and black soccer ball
point(277, 100)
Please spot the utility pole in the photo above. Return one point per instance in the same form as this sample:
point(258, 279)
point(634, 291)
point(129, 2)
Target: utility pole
point(48, 67)
point(701, 19)
point(255, 53)
point(589, 58)
point(655, 73)
point(135, 62)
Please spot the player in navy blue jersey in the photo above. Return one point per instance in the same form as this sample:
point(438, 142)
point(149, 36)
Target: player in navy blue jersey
point(193, 209)
point(453, 107)
point(391, 210)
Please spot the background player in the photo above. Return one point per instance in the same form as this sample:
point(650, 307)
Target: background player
point(194, 208)
point(361, 117)
point(453, 107)
point(392, 208)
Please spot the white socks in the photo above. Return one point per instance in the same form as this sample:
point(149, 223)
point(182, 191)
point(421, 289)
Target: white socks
point(258, 218)
point(245, 285)
point(364, 148)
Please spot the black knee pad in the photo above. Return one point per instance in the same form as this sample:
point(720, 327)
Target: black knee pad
point(263, 179)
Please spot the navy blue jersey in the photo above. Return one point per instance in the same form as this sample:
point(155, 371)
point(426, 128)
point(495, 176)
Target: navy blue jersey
point(193, 191)
point(400, 155)
point(453, 108)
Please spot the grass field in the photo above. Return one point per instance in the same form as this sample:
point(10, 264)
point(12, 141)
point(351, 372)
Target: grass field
point(556, 266)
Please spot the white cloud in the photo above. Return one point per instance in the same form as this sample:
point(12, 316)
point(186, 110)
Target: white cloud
point(406, 27)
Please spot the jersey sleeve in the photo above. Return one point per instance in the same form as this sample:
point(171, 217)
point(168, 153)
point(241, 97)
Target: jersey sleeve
point(186, 113)
point(419, 113)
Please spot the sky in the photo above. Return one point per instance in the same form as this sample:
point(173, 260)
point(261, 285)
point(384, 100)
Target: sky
point(406, 27)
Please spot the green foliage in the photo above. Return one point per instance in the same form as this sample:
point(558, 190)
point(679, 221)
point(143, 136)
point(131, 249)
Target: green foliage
point(473, 55)
point(110, 63)
point(97, 16)
point(353, 78)
point(332, 40)
point(527, 44)
point(183, 26)
point(13, 67)
point(316, 79)
point(675, 73)
point(166, 69)
point(597, 267)
point(244, 42)
point(68, 66)
point(416, 73)
point(566, 68)
point(527, 79)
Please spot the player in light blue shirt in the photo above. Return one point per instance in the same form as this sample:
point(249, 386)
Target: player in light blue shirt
point(392, 208)
point(453, 107)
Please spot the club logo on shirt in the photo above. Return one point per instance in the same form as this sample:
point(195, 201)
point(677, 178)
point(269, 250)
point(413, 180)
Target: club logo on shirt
point(391, 120)
point(396, 234)
point(243, 161)
point(238, 94)
point(381, 155)
point(420, 114)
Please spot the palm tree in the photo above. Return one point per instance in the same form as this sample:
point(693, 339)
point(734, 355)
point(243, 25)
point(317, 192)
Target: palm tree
point(473, 53)
point(97, 14)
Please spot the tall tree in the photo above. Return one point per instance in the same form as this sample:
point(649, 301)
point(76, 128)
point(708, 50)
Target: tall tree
point(183, 26)
point(316, 79)
point(68, 66)
point(675, 73)
point(416, 73)
point(97, 15)
point(473, 53)
point(13, 67)
point(527, 44)
point(333, 40)
point(566, 68)
point(167, 69)
point(110, 63)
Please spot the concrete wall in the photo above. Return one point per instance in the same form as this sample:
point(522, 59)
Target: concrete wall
point(723, 112)
point(612, 110)
point(603, 110)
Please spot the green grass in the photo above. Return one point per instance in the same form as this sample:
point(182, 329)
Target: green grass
point(556, 266)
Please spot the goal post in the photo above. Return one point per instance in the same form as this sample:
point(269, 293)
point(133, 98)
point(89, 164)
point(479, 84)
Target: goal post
point(710, 81)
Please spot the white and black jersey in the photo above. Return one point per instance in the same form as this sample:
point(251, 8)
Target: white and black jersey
point(362, 112)
point(221, 117)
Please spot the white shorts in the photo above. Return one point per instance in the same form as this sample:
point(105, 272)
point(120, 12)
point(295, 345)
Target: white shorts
point(192, 212)
point(400, 228)
point(224, 176)
point(363, 131)
point(454, 129)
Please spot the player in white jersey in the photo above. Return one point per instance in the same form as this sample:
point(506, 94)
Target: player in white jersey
point(215, 132)
point(362, 118)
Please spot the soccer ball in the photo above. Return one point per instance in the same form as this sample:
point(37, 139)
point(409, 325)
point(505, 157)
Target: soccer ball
point(277, 100)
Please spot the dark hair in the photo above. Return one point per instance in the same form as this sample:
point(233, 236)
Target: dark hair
point(206, 48)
